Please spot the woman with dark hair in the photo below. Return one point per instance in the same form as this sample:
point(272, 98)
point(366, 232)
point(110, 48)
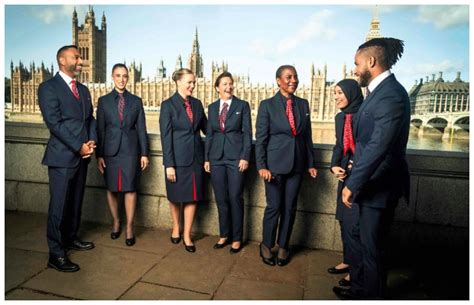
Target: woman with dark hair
point(182, 118)
point(283, 152)
point(227, 154)
point(122, 149)
point(348, 96)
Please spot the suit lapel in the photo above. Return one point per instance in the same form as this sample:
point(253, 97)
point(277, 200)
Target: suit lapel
point(232, 108)
point(194, 106)
point(128, 106)
point(280, 108)
point(298, 113)
point(178, 103)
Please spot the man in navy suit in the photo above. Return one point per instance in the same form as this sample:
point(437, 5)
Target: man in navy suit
point(380, 174)
point(67, 111)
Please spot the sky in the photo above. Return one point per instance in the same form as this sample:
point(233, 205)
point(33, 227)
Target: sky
point(252, 39)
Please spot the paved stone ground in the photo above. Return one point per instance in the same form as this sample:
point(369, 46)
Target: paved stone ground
point(156, 269)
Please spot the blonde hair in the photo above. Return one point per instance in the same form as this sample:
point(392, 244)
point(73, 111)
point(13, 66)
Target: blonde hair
point(178, 74)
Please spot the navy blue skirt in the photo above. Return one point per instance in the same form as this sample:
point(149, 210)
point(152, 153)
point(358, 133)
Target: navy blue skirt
point(122, 173)
point(189, 185)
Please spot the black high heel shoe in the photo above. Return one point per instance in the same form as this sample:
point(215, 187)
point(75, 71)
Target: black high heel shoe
point(191, 249)
point(130, 241)
point(268, 261)
point(115, 235)
point(175, 240)
point(344, 283)
point(220, 246)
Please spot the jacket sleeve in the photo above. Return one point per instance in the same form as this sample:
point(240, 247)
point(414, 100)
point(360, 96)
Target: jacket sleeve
point(388, 120)
point(247, 133)
point(336, 150)
point(262, 135)
point(141, 130)
point(166, 134)
point(209, 137)
point(308, 137)
point(92, 132)
point(100, 129)
point(203, 123)
point(51, 110)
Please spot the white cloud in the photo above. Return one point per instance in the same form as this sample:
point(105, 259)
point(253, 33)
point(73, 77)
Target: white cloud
point(55, 13)
point(316, 27)
point(444, 16)
point(427, 69)
point(257, 46)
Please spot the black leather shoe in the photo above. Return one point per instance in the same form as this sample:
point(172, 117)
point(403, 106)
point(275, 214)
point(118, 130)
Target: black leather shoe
point(344, 294)
point(115, 235)
point(235, 250)
point(282, 261)
point(62, 264)
point(220, 246)
point(344, 283)
point(175, 240)
point(130, 241)
point(333, 270)
point(268, 261)
point(80, 245)
point(191, 249)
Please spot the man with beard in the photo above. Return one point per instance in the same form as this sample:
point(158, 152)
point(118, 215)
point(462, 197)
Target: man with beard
point(67, 111)
point(379, 175)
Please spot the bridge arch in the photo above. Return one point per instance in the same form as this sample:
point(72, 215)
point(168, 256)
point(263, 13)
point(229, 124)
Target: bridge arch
point(438, 123)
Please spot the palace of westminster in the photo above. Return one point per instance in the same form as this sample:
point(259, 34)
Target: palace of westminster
point(92, 44)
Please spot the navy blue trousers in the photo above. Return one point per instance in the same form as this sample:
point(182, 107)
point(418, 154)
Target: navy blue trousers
point(228, 185)
point(66, 187)
point(282, 195)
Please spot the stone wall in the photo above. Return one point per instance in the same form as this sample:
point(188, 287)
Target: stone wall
point(438, 211)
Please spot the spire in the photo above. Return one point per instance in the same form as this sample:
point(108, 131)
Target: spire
point(374, 29)
point(74, 14)
point(179, 63)
point(312, 69)
point(104, 23)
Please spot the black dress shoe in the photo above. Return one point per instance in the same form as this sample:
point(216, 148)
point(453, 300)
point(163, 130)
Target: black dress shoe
point(333, 270)
point(191, 249)
point(115, 235)
point(62, 264)
point(130, 241)
point(220, 246)
point(268, 261)
point(344, 283)
point(175, 240)
point(235, 250)
point(344, 294)
point(80, 245)
point(282, 261)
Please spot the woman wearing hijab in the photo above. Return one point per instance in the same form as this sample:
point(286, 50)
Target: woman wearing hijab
point(348, 96)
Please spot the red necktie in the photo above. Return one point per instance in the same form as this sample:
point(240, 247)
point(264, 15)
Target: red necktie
point(74, 89)
point(121, 106)
point(223, 116)
point(188, 110)
point(348, 137)
point(291, 118)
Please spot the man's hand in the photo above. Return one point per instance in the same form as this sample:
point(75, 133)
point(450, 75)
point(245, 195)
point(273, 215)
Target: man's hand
point(347, 197)
point(207, 166)
point(144, 162)
point(171, 174)
point(101, 165)
point(243, 165)
point(86, 150)
point(265, 174)
point(313, 172)
point(339, 172)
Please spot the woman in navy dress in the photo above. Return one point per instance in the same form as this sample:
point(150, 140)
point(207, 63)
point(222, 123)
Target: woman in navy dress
point(182, 118)
point(348, 96)
point(122, 149)
point(227, 153)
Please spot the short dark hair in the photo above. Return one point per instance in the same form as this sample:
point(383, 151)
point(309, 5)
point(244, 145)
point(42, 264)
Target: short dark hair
point(387, 51)
point(180, 72)
point(62, 49)
point(283, 68)
point(119, 65)
point(221, 76)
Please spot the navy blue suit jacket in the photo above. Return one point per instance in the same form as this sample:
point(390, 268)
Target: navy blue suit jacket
point(180, 140)
point(235, 143)
point(380, 172)
point(70, 121)
point(129, 135)
point(276, 148)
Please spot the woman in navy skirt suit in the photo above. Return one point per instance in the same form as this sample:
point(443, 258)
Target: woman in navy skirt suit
point(122, 149)
point(182, 118)
point(227, 153)
point(348, 96)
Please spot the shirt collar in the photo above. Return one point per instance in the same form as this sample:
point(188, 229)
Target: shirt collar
point(116, 93)
point(227, 101)
point(65, 77)
point(377, 80)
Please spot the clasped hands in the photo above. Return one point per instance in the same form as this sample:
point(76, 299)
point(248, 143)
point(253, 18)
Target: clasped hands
point(266, 174)
point(87, 149)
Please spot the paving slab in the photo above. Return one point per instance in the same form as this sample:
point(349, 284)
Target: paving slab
point(106, 273)
point(23, 229)
point(202, 271)
point(319, 261)
point(22, 265)
point(28, 294)
point(234, 288)
point(319, 287)
point(250, 266)
point(148, 291)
